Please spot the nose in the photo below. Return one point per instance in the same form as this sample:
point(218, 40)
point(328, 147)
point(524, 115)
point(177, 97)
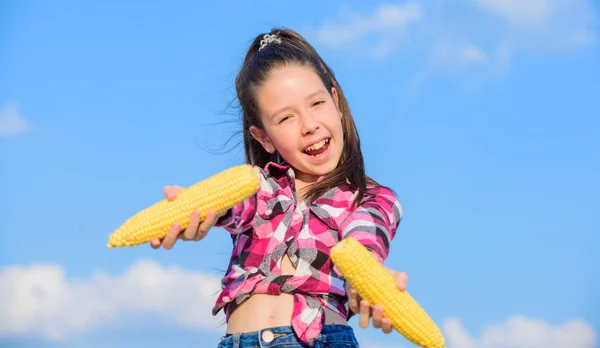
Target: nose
point(309, 123)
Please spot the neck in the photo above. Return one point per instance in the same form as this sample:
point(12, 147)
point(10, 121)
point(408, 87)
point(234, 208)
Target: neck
point(301, 188)
point(303, 183)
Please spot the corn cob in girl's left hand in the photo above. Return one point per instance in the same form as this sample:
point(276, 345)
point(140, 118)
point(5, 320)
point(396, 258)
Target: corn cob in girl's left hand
point(219, 192)
point(375, 284)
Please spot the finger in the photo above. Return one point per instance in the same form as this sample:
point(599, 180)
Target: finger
point(353, 301)
point(386, 325)
point(155, 243)
point(171, 192)
point(172, 236)
point(190, 231)
point(167, 192)
point(365, 309)
point(377, 316)
point(206, 225)
point(401, 280)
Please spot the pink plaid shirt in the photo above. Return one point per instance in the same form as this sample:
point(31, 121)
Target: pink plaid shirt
point(272, 222)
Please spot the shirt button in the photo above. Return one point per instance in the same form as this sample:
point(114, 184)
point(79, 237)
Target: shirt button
point(267, 336)
point(226, 299)
point(253, 270)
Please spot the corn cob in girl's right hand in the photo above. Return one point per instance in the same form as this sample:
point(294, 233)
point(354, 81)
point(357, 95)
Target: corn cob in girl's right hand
point(220, 192)
point(375, 284)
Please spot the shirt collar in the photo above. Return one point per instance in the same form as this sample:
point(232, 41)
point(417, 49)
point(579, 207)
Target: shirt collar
point(283, 169)
point(279, 169)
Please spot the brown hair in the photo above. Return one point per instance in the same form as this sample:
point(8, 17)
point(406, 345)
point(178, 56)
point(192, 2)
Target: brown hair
point(295, 50)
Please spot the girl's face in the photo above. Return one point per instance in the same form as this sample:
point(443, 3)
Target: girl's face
point(301, 121)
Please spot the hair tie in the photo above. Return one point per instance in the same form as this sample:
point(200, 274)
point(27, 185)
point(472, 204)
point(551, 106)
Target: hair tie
point(267, 39)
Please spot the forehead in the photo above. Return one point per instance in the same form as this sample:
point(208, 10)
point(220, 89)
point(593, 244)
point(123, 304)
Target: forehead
point(288, 85)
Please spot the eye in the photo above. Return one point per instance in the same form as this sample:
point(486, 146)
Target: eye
point(319, 102)
point(284, 118)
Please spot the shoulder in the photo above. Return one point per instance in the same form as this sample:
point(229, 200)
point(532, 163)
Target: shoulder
point(380, 192)
point(382, 198)
point(346, 195)
point(375, 198)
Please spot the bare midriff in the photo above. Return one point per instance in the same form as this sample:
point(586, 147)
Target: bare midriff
point(263, 311)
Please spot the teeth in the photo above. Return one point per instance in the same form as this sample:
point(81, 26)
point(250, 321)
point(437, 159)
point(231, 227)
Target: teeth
point(318, 145)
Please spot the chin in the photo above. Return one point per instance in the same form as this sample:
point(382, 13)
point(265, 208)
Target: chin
point(321, 168)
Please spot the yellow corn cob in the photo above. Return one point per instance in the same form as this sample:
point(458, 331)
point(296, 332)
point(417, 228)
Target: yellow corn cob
point(375, 284)
point(219, 192)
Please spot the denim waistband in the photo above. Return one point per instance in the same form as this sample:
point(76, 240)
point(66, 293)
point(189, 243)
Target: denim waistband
point(284, 336)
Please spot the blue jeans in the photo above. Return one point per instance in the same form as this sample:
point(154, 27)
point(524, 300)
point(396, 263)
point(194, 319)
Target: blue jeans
point(332, 336)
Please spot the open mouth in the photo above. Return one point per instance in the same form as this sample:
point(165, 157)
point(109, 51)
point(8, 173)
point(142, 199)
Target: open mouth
point(318, 148)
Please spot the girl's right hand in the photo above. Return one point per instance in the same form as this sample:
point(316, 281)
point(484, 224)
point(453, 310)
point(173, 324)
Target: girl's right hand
point(194, 231)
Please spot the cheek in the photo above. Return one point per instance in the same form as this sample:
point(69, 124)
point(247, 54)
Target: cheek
point(336, 124)
point(283, 139)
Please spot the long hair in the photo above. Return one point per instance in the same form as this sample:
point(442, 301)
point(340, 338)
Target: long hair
point(294, 50)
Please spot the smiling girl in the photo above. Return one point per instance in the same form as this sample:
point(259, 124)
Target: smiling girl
point(281, 288)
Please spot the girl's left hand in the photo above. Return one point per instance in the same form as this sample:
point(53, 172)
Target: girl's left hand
point(366, 312)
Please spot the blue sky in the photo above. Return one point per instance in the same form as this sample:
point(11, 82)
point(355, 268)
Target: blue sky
point(482, 115)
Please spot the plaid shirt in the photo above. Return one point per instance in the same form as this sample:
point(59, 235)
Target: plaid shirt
point(272, 222)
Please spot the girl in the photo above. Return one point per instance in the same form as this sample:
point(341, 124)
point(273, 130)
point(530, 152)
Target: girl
point(281, 287)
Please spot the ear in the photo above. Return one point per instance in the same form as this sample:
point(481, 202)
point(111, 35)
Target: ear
point(336, 99)
point(262, 137)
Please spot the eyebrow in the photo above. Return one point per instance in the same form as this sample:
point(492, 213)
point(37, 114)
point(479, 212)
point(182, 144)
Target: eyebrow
point(310, 96)
point(313, 94)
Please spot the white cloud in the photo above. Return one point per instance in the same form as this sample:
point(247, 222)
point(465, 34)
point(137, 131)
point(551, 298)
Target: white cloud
point(379, 31)
point(39, 300)
point(11, 122)
point(455, 35)
point(473, 54)
point(381, 345)
point(541, 25)
point(520, 332)
point(531, 12)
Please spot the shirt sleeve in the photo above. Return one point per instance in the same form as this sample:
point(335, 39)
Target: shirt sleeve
point(375, 221)
point(241, 217)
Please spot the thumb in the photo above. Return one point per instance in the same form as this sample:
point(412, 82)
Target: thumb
point(170, 192)
point(401, 280)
